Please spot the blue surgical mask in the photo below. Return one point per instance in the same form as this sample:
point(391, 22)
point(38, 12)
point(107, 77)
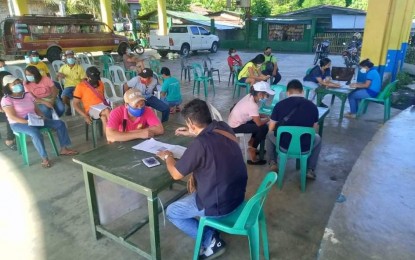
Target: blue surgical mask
point(30, 78)
point(3, 68)
point(35, 59)
point(137, 112)
point(70, 61)
point(17, 88)
point(263, 101)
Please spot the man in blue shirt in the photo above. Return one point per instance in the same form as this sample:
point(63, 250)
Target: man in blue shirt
point(220, 177)
point(305, 114)
point(170, 91)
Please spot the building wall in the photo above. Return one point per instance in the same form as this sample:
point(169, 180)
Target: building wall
point(35, 7)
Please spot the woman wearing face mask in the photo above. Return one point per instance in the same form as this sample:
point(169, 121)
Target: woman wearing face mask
point(131, 62)
point(244, 118)
point(43, 89)
point(233, 59)
point(90, 93)
point(251, 72)
point(17, 104)
point(370, 88)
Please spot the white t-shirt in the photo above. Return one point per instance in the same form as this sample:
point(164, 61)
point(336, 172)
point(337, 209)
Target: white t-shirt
point(147, 91)
point(243, 111)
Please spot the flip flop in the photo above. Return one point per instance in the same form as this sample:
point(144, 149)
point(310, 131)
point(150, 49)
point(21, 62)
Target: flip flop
point(259, 162)
point(46, 164)
point(11, 146)
point(69, 153)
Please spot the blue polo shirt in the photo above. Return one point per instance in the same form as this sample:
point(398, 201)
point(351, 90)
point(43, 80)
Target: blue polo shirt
point(219, 170)
point(317, 73)
point(305, 115)
point(375, 82)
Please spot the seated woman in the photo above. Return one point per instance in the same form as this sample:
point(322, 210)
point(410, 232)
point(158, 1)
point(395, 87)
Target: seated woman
point(370, 88)
point(131, 62)
point(244, 118)
point(90, 93)
point(319, 76)
point(233, 59)
point(43, 89)
point(17, 105)
point(10, 141)
point(251, 72)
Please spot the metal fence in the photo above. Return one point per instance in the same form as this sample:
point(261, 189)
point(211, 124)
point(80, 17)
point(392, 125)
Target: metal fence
point(336, 40)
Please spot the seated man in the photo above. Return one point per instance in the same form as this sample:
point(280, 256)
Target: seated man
point(146, 83)
point(133, 120)
point(305, 114)
point(72, 73)
point(221, 177)
point(90, 93)
point(170, 91)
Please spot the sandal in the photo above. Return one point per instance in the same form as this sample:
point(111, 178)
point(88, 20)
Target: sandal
point(68, 152)
point(172, 111)
point(46, 164)
point(11, 146)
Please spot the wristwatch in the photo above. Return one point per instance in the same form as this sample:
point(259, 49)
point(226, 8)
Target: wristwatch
point(167, 156)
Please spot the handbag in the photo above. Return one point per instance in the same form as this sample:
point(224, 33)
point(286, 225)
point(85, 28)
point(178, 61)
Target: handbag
point(191, 182)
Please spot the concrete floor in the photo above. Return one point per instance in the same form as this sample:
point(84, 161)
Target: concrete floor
point(45, 212)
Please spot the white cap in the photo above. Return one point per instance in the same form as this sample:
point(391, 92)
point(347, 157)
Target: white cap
point(263, 87)
point(9, 79)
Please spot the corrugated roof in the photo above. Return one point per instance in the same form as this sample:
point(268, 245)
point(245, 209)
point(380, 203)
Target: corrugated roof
point(324, 10)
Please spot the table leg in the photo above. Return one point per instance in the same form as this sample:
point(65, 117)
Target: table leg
point(92, 202)
point(343, 98)
point(320, 97)
point(153, 222)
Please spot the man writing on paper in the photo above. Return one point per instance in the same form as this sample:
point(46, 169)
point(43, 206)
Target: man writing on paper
point(133, 120)
point(220, 177)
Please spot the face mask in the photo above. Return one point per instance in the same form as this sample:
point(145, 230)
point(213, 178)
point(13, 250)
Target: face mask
point(3, 69)
point(35, 59)
point(145, 81)
point(70, 61)
point(233, 54)
point(363, 70)
point(17, 88)
point(263, 101)
point(30, 78)
point(137, 112)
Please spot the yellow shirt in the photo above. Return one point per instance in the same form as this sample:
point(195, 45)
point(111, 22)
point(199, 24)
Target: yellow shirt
point(42, 67)
point(244, 73)
point(73, 76)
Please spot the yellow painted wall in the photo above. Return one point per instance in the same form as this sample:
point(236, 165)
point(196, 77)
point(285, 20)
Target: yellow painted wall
point(20, 7)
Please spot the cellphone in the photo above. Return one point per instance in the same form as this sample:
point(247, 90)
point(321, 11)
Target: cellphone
point(151, 162)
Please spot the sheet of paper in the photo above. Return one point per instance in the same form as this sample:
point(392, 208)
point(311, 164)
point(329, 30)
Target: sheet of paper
point(35, 120)
point(153, 146)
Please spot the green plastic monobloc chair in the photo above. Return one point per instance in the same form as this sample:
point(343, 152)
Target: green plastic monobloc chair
point(382, 98)
point(96, 127)
point(238, 85)
point(106, 60)
point(294, 151)
point(155, 65)
point(198, 76)
point(247, 220)
point(22, 146)
point(267, 110)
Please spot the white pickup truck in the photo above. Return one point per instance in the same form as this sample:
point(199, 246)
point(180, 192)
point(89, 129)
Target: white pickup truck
point(183, 39)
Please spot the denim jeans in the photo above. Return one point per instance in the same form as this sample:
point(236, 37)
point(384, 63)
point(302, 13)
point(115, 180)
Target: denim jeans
point(58, 106)
point(159, 105)
point(171, 103)
point(37, 136)
point(272, 151)
point(183, 213)
point(355, 97)
point(275, 78)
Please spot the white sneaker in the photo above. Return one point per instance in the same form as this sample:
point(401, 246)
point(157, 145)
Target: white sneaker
point(215, 249)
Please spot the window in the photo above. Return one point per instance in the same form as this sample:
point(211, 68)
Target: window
point(178, 29)
point(203, 31)
point(285, 32)
point(194, 29)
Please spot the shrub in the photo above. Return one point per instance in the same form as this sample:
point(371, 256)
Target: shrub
point(410, 55)
point(404, 79)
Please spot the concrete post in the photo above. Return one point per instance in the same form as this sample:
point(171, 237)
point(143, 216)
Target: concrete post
point(106, 12)
point(162, 17)
point(20, 7)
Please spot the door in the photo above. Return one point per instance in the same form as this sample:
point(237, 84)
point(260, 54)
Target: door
point(196, 41)
point(205, 38)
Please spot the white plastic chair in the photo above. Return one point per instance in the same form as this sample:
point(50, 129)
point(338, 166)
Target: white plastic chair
point(110, 94)
point(118, 77)
point(215, 113)
point(90, 56)
point(86, 66)
point(16, 71)
point(56, 65)
point(83, 59)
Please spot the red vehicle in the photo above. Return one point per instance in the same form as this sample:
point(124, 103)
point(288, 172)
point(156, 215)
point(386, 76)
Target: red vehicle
point(51, 35)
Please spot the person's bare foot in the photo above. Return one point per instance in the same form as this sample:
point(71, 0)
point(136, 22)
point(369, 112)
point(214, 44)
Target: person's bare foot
point(46, 163)
point(67, 152)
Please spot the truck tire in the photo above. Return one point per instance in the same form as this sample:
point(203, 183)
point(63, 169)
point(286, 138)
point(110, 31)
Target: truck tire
point(185, 50)
point(163, 53)
point(54, 53)
point(214, 47)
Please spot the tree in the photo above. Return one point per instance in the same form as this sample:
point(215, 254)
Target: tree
point(260, 8)
point(173, 5)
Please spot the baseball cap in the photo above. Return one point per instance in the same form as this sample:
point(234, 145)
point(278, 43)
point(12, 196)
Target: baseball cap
point(33, 53)
point(69, 52)
point(263, 87)
point(93, 72)
point(146, 73)
point(132, 96)
point(9, 79)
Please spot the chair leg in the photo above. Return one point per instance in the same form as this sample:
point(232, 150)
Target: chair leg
point(253, 237)
point(205, 86)
point(86, 131)
point(303, 172)
point(94, 133)
point(198, 239)
point(386, 110)
point(52, 141)
point(229, 79)
point(213, 87)
point(218, 77)
point(263, 230)
point(22, 147)
point(281, 169)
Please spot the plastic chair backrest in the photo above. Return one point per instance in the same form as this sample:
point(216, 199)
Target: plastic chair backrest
point(106, 60)
point(386, 92)
point(197, 70)
point(294, 149)
point(117, 74)
point(110, 87)
point(207, 63)
point(278, 89)
point(249, 214)
point(16, 71)
point(84, 59)
point(215, 113)
point(86, 66)
point(184, 62)
point(90, 56)
point(56, 65)
point(155, 65)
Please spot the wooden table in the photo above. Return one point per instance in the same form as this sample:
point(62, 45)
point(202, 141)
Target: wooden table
point(122, 165)
point(342, 93)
